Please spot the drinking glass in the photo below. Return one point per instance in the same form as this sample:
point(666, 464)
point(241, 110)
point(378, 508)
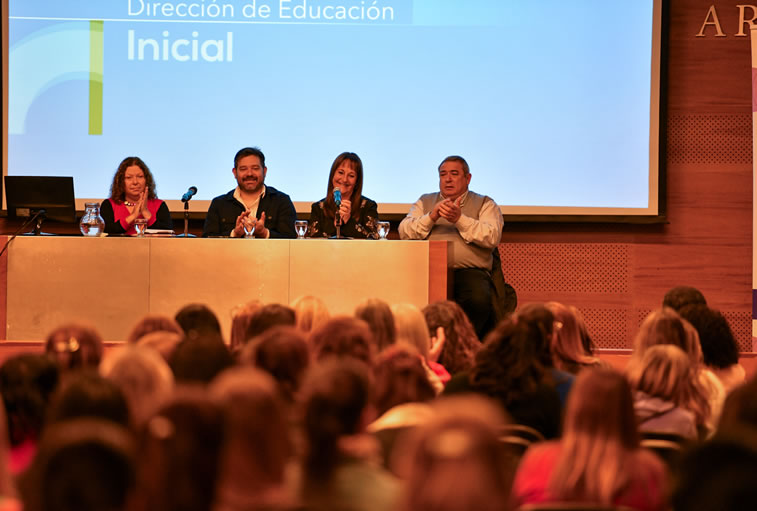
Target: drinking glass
point(249, 229)
point(140, 224)
point(301, 226)
point(383, 229)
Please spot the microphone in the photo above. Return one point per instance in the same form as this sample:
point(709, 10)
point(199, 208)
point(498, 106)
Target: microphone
point(192, 190)
point(338, 202)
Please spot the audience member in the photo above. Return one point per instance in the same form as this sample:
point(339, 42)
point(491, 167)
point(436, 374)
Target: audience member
point(179, 454)
point(401, 393)
point(8, 497)
point(740, 408)
point(343, 336)
point(460, 340)
point(455, 462)
point(153, 323)
point(337, 471)
point(144, 378)
point(200, 359)
point(83, 464)
point(268, 316)
point(413, 331)
point(380, 319)
point(567, 348)
point(282, 352)
point(164, 343)
point(598, 460)
point(240, 321)
point(75, 346)
point(665, 326)
point(680, 296)
point(27, 383)
point(719, 349)
point(509, 368)
point(543, 321)
point(197, 320)
point(311, 312)
point(663, 380)
point(718, 475)
point(87, 394)
point(257, 446)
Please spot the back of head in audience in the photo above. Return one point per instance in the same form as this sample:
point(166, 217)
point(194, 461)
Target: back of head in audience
point(719, 348)
point(455, 462)
point(599, 439)
point(680, 296)
point(257, 445)
point(75, 346)
point(268, 316)
point(343, 336)
point(199, 359)
point(509, 366)
point(27, 383)
point(87, 394)
point(240, 321)
point(179, 454)
point(164, 343)
point(153, 323)
point(740, 408)
point(198, 320)
point(336, 394)
point(461, 343)
point(567, 347)
point(310, 312)
point(378, 315)
point(282, 352)
point(665, 326)
point(81, 465)
point(540, 318)
point(399, 377)
point(718, 475)
point(411, 327)
point(143, 376)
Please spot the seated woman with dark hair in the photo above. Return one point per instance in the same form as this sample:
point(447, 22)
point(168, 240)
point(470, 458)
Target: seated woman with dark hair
point(510, 370)
point(132, 196)
point(598, 460)
point(357, 215)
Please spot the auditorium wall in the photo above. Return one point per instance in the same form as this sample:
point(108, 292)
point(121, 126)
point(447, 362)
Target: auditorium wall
point(617, 273)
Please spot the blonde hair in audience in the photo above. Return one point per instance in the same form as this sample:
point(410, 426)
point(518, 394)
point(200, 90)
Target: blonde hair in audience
point(599, 439)
point(241, 315)
point(310, 312)
point(666, 327)
point(411, 327)
point(567, 345)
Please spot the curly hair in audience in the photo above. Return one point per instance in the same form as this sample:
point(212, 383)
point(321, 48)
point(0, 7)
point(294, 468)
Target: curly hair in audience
point(508, 366)
point(719, 347)
point(461, 344)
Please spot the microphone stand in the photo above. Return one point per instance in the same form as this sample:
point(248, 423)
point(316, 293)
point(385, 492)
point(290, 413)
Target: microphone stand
point(338, 223)
point(186, 222)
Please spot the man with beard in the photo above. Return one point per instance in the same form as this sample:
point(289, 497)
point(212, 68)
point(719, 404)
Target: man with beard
point(251, 201)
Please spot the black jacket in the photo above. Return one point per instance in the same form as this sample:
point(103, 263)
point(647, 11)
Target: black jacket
point(279, 214)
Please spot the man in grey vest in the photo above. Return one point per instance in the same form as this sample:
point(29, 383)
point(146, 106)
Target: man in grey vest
point(473, 223)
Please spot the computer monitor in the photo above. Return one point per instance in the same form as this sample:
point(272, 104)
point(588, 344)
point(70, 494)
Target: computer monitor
point(26, 195)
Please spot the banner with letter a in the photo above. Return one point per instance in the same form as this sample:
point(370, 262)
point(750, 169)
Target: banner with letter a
point(754, 186)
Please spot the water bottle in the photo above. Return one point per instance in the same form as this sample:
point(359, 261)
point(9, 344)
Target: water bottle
point(92, 224)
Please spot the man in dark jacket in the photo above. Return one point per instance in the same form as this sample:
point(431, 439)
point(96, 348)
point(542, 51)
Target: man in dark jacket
point(251, 202)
